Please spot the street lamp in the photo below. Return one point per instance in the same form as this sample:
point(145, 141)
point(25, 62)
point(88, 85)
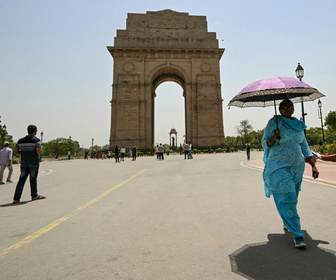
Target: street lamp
point(69, 153)
point(319, 104)
point(3, 135)
point(299, 71)
point(41, 145)
point(92, 148)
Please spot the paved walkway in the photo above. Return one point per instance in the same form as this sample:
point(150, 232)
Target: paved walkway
point(327, 170)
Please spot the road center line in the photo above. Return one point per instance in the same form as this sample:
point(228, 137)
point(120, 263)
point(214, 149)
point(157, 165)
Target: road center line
point(54, 224)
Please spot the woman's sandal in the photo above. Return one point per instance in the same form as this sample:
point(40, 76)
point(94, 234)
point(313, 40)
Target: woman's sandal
point(38, 197)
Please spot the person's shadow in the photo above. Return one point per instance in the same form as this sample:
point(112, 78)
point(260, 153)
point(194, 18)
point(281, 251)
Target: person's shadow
point(16, 204)
point(279, 259)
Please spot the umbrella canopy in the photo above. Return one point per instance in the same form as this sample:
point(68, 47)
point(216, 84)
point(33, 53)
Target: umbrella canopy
point(269, 91)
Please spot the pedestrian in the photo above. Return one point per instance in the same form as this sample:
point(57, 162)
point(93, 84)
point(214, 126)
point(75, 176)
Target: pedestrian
point(186, 151)
point(29, 147)
point(248, 149)
point(129, 154)
point(190, 151)
point(69, 155)
point(161, 151)
point(116, 154)
point(134, 153)
point(109, 154)
point(6, 155)
point(284, 143)
point(157, 152)
point(122, 153)
point(98, 154)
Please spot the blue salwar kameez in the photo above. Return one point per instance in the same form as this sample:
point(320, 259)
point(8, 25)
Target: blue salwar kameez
point(284, 167)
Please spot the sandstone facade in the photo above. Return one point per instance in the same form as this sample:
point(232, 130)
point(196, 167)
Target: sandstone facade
point(165, 46)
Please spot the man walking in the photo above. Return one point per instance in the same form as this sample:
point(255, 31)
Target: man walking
point(134, 153)
point(116, 154)
point(161, 152)
point(6, 154)
point(190, 151)
point(29, 147)
point(122, 153)
point(186, 150)
point(248, 150)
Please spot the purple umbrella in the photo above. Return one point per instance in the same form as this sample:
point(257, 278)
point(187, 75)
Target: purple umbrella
point(271, 91)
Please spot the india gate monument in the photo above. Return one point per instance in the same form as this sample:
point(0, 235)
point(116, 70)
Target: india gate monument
point(165, 46)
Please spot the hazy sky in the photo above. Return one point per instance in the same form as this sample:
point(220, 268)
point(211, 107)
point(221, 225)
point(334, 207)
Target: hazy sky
point(56, 72)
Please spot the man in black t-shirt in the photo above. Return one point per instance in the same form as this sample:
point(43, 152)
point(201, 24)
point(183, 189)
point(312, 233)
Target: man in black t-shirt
point(29, 147)
point(248, 150)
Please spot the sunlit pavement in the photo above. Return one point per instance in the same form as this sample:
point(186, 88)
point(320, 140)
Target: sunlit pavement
point(150, 219)
point(326, 169)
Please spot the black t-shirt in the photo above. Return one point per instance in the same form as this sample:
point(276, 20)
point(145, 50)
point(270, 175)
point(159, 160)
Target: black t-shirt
point(27, 146)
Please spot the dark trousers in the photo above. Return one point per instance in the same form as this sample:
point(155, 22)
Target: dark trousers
point(32, 171)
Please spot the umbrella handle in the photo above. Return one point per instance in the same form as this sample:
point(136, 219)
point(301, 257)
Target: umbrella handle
point(276, 119)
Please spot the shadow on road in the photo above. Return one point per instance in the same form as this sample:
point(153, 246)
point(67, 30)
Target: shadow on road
point(17, 204)
point(279, 259)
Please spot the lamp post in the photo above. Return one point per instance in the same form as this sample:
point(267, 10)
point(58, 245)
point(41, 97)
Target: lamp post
point(299, 71)
point(41, 145)
point(92, 148)
point(69, 153)
point(319, 104)
point(3, 135)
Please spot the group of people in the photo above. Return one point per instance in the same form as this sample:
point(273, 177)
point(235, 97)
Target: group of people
point(285, 152)
point(159, 152)
point(188, 151)
point(119, 154)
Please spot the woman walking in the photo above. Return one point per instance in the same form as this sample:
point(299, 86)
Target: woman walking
point(285, 147)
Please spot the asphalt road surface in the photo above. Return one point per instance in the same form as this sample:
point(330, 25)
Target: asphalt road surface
point(150, 219)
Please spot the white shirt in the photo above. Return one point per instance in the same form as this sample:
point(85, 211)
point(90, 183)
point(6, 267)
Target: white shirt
point(6, 155)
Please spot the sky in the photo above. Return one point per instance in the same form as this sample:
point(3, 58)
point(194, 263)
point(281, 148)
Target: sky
point(56, 73)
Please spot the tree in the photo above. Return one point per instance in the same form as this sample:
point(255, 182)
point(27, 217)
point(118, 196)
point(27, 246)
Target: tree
point(4, 136)
point(60, 146)
point(244, 129)
point(231, 143)
point(314, 135)
point(330, 120)
point(255, 138)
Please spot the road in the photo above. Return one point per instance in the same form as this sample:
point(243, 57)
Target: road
point(150, 219)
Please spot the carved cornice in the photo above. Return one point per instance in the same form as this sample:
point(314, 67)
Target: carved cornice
point(165, 53)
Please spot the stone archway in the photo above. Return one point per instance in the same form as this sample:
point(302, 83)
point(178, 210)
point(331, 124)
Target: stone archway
point(165, 46)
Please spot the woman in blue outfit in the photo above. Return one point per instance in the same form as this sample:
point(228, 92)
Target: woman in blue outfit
point(285, 151)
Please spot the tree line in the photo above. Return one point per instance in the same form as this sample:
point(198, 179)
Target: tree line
point(313, 134)
point(61, 146)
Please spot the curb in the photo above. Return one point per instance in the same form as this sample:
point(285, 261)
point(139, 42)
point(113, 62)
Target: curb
point(320, 181)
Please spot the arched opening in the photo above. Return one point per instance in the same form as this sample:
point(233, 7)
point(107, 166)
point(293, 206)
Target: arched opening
point(169, 112)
